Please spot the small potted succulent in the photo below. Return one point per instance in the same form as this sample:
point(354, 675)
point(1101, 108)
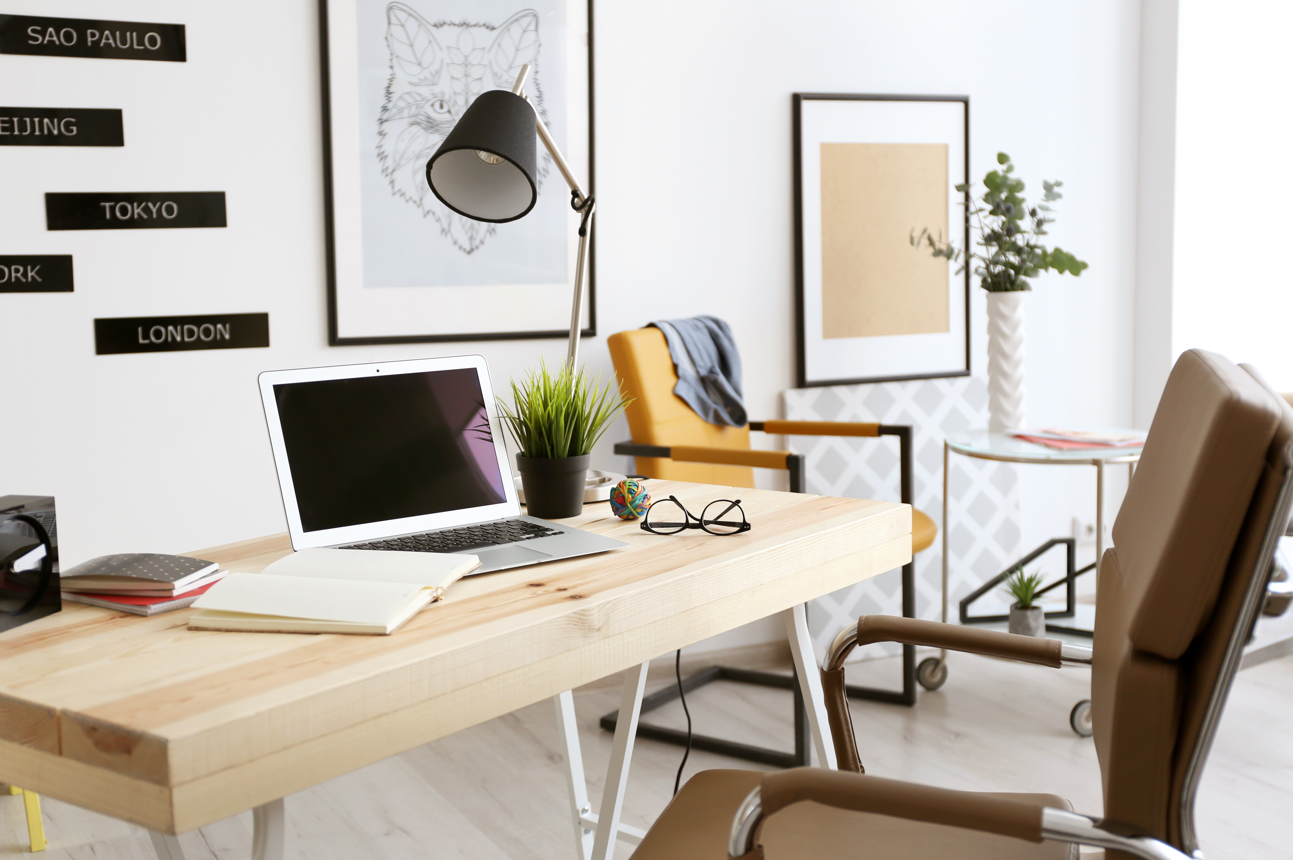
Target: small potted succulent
point(556, 419)
point(1026, 618)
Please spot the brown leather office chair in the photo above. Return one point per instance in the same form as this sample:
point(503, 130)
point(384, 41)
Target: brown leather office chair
point(670, 441)
point(1177, 598)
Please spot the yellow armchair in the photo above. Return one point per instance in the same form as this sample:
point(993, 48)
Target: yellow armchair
point(671, 442)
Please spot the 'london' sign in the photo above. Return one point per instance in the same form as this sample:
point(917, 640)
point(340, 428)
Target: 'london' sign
point(36, 126)
point(36, 273)
point(134, 210)
point(118, 335)
point(82, 37)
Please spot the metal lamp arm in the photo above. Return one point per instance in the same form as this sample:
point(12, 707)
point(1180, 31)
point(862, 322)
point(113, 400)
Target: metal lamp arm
point(581, 203)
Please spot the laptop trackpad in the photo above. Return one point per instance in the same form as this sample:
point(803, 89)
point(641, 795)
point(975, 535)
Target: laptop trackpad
point(502, 557)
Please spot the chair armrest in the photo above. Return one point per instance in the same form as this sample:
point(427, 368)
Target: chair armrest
point(854, 792)
point(913, 631)
point(716, 456)
point(817, 428)
point(1009, 817)
point(954, 637)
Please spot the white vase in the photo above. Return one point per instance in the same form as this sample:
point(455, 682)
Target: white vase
point(1006, 361)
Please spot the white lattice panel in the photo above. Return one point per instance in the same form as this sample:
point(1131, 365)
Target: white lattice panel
point(984, 509)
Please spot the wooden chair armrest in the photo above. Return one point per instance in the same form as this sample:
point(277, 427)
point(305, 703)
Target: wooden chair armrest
point(817, 428)
point(716, 456)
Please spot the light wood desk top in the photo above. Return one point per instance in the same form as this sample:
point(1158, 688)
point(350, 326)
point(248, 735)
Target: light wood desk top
point(145, 720)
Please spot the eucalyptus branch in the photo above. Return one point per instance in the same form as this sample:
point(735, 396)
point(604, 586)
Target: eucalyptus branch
point(1011, 251)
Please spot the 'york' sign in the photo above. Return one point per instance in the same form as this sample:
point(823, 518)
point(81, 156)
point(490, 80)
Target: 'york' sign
point(82, 37)
point(35, 126)
point(134, 210)
point(36, 273)
point(118, 335)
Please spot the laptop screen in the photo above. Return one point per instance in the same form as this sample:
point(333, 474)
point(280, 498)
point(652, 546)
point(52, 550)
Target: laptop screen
point(376, 448)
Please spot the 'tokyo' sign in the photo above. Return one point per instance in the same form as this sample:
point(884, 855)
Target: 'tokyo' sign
point(134, 210)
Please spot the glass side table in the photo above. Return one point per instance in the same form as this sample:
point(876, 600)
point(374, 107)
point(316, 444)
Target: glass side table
point(982, 445)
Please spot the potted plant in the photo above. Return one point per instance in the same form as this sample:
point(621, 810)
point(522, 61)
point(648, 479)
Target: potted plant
point(556, 419)
point(1008, 230)
point(1025, 618)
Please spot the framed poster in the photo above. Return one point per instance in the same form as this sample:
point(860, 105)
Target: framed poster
point(869, 169)
point(397, 76)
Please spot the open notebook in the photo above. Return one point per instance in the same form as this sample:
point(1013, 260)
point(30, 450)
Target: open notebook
point(331, 591)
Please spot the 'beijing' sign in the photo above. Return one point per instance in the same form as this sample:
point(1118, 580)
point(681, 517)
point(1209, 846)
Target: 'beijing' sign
point(37, 126)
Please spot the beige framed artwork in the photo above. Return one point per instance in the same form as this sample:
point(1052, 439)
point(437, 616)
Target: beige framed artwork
point(868, 170)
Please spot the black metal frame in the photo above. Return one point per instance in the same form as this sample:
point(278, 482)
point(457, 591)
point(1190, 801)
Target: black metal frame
point(801, 364)
point(1069, 581)
point(795, 465)
point(330, 227)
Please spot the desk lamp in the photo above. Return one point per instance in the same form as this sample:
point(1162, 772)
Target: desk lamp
point(485, 171)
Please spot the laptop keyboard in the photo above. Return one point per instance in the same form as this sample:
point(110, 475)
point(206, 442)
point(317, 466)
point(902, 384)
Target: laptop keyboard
point(463, 539)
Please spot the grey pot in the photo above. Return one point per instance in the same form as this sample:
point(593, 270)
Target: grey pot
point(1028, 622)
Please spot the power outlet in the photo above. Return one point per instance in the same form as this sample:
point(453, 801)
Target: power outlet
point(1084, 531)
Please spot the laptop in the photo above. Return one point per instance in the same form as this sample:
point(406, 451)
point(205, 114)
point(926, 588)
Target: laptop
point(405, 455)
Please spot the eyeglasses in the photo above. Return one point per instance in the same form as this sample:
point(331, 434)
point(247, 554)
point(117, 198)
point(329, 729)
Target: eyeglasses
point(668, 517)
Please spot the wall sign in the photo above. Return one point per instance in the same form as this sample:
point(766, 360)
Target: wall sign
point(172, 334)
point(34, 126)
point(36, 273)
point(134, 210)
point(83, 37)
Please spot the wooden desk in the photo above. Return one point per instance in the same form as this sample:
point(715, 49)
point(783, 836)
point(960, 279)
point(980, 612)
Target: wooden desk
point(145, 720)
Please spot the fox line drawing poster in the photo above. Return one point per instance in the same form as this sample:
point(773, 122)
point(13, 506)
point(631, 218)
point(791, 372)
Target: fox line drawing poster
point(398, 75)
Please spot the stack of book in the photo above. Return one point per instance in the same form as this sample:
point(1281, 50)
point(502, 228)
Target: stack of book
point(140, 583)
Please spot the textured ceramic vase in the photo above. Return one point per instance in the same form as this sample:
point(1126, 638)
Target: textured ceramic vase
point(1006, 361)
point(1027, 622)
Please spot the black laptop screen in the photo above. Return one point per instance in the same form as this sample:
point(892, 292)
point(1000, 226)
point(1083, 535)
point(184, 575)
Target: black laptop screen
point(386, 447)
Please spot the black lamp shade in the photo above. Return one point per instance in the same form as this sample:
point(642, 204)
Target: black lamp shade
point(501, 124)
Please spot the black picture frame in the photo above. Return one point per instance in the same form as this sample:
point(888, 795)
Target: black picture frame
point(806, 377)
point(555, 188)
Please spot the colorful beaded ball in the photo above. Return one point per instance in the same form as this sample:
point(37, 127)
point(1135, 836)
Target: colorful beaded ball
point(629, 500)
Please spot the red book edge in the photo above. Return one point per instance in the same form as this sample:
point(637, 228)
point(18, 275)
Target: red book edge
point(128, 600)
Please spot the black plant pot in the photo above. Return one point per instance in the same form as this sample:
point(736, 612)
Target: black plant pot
point(554, 487)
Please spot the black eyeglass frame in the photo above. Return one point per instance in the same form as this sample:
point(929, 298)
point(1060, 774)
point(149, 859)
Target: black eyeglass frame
point(700, 521)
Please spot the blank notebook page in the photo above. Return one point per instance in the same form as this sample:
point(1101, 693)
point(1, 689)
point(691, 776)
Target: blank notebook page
point(374, 603)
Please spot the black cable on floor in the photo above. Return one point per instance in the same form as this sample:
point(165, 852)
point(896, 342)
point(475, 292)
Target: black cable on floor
point(677, 671)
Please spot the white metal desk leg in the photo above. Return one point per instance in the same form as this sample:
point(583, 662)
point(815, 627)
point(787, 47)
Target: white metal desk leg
point(575, 782)
point(269, 829)
point(617, 774)
point(810, 683)
point(166, 846)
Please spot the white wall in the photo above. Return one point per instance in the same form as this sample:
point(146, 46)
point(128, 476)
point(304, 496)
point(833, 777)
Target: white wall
point(168, 452)
point(1155, 206)
point(1232, 290)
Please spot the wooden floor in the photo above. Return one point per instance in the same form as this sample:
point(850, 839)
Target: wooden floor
point(496, 791)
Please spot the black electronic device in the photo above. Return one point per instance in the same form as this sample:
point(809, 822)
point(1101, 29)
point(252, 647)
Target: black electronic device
point(29, 583)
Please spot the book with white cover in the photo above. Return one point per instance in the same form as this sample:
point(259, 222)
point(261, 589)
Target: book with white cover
point(331, 591)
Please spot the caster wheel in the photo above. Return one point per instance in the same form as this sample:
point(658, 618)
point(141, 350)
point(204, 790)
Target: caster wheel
point(1080, 718)
point(931, 673)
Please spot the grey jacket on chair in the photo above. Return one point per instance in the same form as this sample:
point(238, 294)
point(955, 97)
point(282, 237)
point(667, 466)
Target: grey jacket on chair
point(709, 368)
